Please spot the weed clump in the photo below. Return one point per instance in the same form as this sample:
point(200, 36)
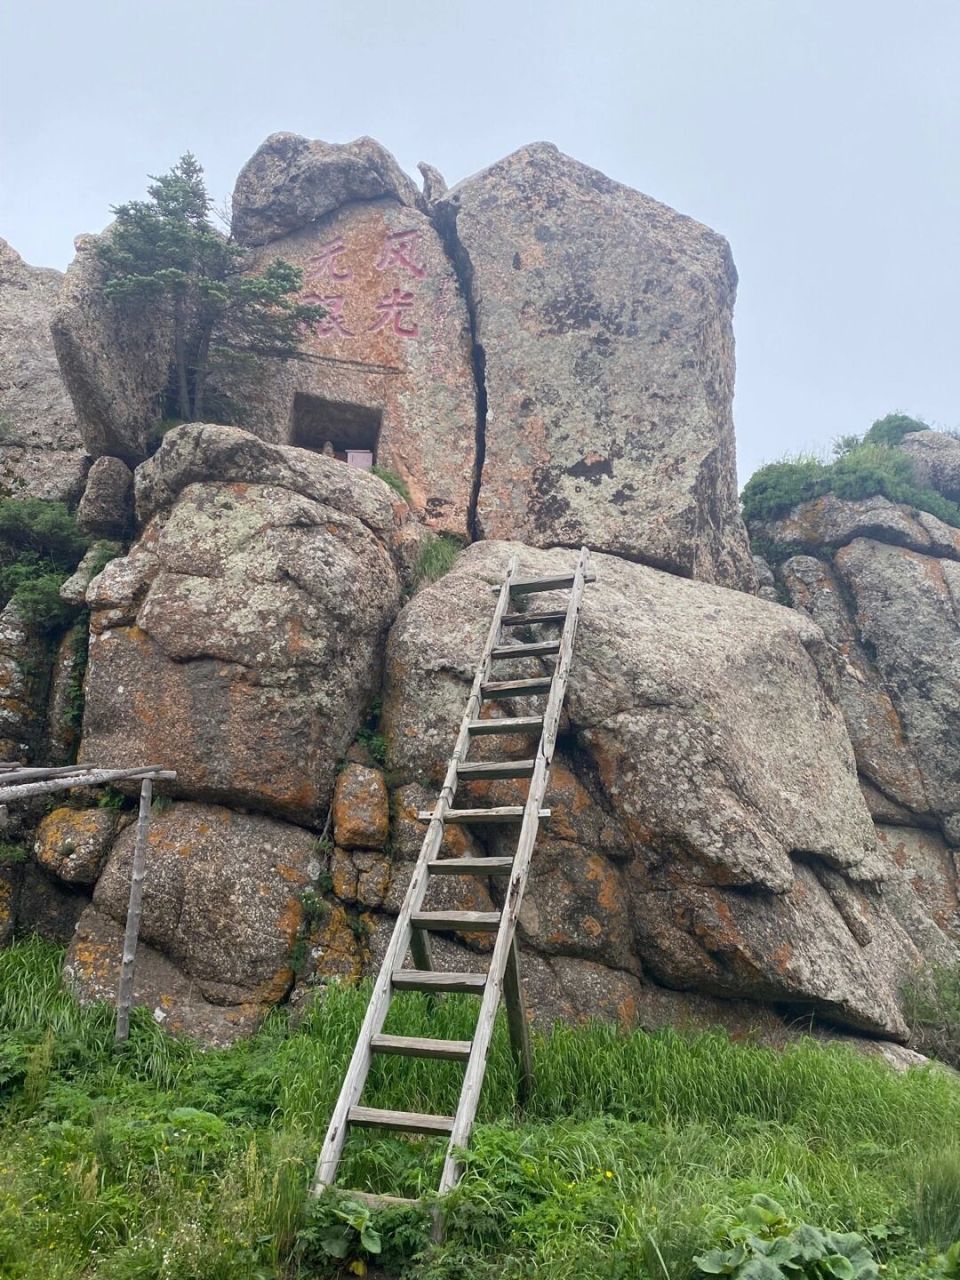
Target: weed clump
point(396, 483)
point(438, 554)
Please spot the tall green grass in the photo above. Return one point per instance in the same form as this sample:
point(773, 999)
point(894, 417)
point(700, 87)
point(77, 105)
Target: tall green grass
point(636, 1151)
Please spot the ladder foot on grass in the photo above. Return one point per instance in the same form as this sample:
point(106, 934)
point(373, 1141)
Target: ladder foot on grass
point(415, 923)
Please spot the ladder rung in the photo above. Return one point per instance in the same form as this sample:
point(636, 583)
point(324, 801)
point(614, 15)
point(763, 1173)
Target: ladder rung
point(402, 1121)
point(528, 586)
point(417, 1047)
point(507, 724)
point(479, 817)
point(471, 866)
point(536, 649)
point(473, 770)
point(467, 921)
point(516, 688)
point(428, 980)
point(531, 619)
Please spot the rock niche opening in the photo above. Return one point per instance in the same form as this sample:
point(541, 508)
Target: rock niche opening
point(352, 431)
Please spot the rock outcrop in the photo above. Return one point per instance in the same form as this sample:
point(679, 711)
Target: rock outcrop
point(883, 581)
point(115, 364)
point(291, 181)
point(389, 370)
point(221, 905)
point(936, 460)
point(603, 326)
point(239, 641)
point(41, 453)
point(710, 835)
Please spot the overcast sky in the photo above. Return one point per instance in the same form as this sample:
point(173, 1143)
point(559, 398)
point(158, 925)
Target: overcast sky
point(822, 137)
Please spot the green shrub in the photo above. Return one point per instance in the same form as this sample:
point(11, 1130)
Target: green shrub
point(863, 469)
point(40, 546)
point(393, 480)
point(779, 487)
point(891, 429)
point(11, 854)
point(438, 554)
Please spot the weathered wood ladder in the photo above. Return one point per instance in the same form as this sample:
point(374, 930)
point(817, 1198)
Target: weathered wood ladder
point(414, 924)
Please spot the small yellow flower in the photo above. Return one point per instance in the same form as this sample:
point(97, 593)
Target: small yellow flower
point(608, 1173)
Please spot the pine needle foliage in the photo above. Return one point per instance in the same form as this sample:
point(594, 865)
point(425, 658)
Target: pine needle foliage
point(163, 258)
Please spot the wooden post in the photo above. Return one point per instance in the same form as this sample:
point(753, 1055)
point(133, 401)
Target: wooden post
point(125, 986)
point(517, 1022)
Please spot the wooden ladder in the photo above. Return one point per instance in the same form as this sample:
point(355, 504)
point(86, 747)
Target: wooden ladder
point(414, 925)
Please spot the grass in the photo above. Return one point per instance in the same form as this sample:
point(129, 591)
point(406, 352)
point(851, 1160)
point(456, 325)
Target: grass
point(160, 1162)
point(396, 483)
point(932, 1005)
point(437, 556)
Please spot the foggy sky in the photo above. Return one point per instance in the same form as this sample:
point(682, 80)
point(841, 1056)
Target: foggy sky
point(821, 137)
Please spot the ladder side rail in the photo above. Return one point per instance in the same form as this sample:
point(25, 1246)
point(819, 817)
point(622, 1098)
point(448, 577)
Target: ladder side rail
point(477, 1063)
point(400, 939)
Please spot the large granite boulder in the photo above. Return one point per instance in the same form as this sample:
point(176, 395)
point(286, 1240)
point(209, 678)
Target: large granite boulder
point(603, 326)
point(907, 610)
point(115, 364)
point(240, 640)
point(389, 370)
point(41, 453)
point(709, 834)
point(882, 581)
point(936, 460)
point(291, 181)
point(222, 912)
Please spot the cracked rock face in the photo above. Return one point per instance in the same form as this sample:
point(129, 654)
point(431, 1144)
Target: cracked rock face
point(883, 581)
point(239, 641)
point(603, 320)
point(389, 368)
point(714, 830)
point(41, 453)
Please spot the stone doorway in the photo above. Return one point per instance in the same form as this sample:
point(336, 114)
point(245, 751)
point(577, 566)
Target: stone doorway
point(351, 432)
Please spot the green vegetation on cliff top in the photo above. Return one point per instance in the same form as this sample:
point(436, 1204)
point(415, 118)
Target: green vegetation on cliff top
point(863, 468)
point(638, 1154)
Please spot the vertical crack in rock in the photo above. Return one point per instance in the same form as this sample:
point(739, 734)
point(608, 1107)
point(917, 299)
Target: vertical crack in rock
point(444, 219)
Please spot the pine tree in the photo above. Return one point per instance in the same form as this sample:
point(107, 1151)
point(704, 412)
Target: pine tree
point(164, 255)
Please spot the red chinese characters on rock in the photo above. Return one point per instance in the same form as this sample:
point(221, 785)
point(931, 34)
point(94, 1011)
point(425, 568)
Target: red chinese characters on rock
point(399, 252)
point(393, 308)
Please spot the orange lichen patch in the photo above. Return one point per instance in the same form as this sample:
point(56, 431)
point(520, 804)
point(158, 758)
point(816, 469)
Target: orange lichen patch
point(292, 875)
point(600, 873)
point(373, 883)
point(290, 919)
point(96, 961)
point(275, 988)
point(782, 958)
point(336, 948)
point(343, 874)
point(627, 1012)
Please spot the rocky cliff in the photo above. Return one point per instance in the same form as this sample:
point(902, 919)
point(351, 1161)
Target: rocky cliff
point(755, 806)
